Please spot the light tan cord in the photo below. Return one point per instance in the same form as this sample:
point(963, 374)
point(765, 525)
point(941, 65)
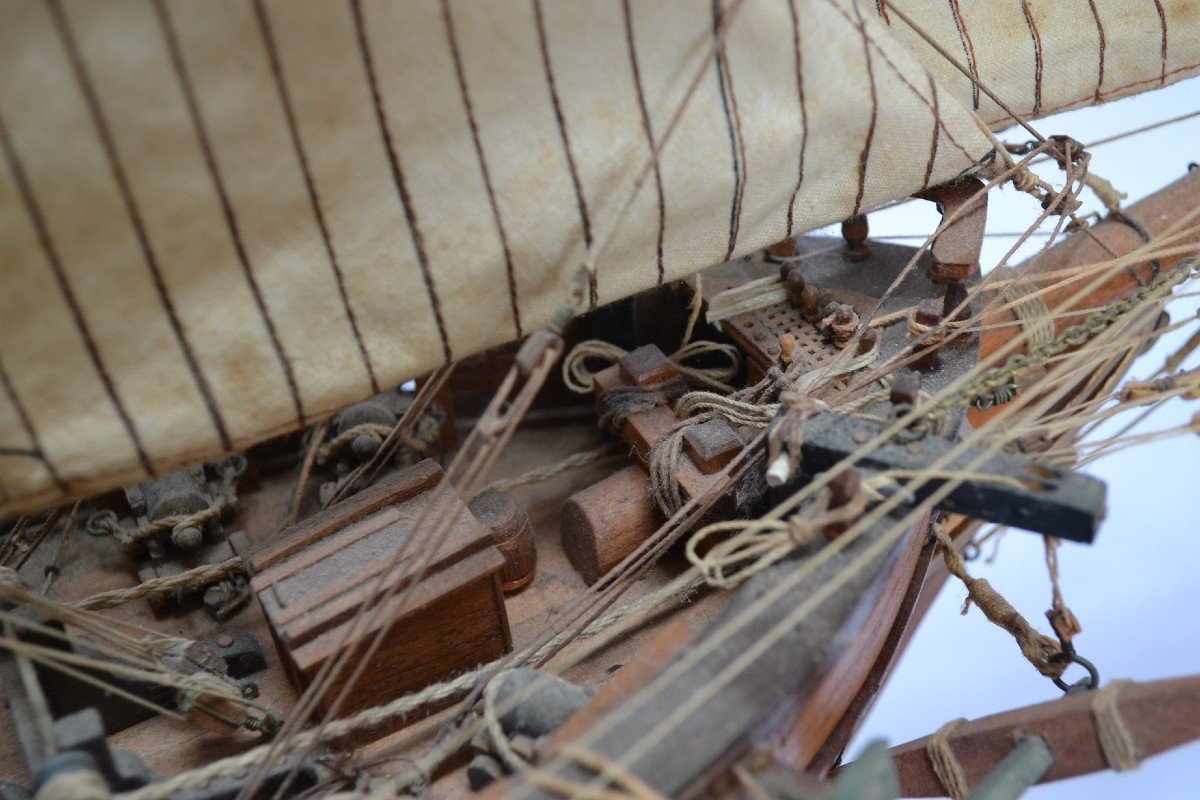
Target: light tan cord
point(945, 764)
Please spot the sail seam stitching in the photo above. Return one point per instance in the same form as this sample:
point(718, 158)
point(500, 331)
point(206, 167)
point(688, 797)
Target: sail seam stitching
point(648, 128)
point(46, 243)
point(108, 145)
point(310, 187)
point(210, 163)
point(460, 74)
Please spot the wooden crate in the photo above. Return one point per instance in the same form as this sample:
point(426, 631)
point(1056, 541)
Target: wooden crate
point(317, 575)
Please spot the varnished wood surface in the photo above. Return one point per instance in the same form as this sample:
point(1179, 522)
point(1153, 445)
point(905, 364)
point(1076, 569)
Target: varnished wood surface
point(1159, 715)
point(168, 746)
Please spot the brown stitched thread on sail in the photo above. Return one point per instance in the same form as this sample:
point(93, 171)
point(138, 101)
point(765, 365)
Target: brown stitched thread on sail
point(1109, 93)
point(803, 112)
point(641, 96)
point(968, 51)
point(937, 121)
point(17, 169)
point(580, 200)
point(1103, 47)
point(733, 125)
point(900, 76)
point(210, 162)
point(268, 37)
point(461, 75)
point(866, 151)
point(1162, 18)
point(410, 213)
point(30, 430)
point(104, 134)
point(1037, 57)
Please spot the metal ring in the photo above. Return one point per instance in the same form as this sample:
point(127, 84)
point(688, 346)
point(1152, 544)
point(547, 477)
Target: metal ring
point(906, 434)
point(1092, 681)
point(1155, 265)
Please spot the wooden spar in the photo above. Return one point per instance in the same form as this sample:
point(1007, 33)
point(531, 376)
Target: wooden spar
point(1159, 716)
point(1106, 240)
point(1156, 213)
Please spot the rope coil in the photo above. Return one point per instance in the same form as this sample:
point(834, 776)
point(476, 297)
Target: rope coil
point(579, 378)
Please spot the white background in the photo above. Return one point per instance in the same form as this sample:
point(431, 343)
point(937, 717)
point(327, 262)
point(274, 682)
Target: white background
point(1136, 590)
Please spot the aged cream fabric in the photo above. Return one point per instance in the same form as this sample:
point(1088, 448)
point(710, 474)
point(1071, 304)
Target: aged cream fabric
point(1045, 56)
point(223, 219)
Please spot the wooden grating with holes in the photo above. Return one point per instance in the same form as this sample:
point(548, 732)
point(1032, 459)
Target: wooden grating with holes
point(757, 334)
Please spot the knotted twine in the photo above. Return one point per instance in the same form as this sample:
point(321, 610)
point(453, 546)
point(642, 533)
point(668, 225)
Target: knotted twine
point(495, 731)
point(746, 407)
point(621, 402)
point(1043, 652)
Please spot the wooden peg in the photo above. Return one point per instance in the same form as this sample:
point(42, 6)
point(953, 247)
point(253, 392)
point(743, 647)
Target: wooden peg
point(905, 388)
point(509, 523)
point(810, 304)
point(929, 313)
point(795, 284)
point(647, 366)
point(787, 346)
point(784, 249)
point(854, 231)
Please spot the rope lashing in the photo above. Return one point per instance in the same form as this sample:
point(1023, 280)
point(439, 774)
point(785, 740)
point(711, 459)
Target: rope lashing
point(1028, 305)
point(372, 430)
point(1120, 751)
point(428, 431)
point(945, 763)
point(579, 378)
point(622, 402)
point(936, 333)
point(175, 523)
point(192, 580)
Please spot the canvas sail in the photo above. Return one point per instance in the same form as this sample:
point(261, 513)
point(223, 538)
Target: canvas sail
point(220, 221)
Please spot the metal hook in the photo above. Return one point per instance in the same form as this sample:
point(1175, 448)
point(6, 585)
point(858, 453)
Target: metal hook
point(1092, 681)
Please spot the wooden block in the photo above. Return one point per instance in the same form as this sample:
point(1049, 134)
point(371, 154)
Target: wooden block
point(324, 571)
point(389, 491)
point(711, 444)
point(607, 521)
point(646, 366)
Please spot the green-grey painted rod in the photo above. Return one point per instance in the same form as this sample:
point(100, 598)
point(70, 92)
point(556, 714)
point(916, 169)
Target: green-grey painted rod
point(1020, 769)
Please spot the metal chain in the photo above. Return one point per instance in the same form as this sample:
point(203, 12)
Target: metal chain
point(1040, 353)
